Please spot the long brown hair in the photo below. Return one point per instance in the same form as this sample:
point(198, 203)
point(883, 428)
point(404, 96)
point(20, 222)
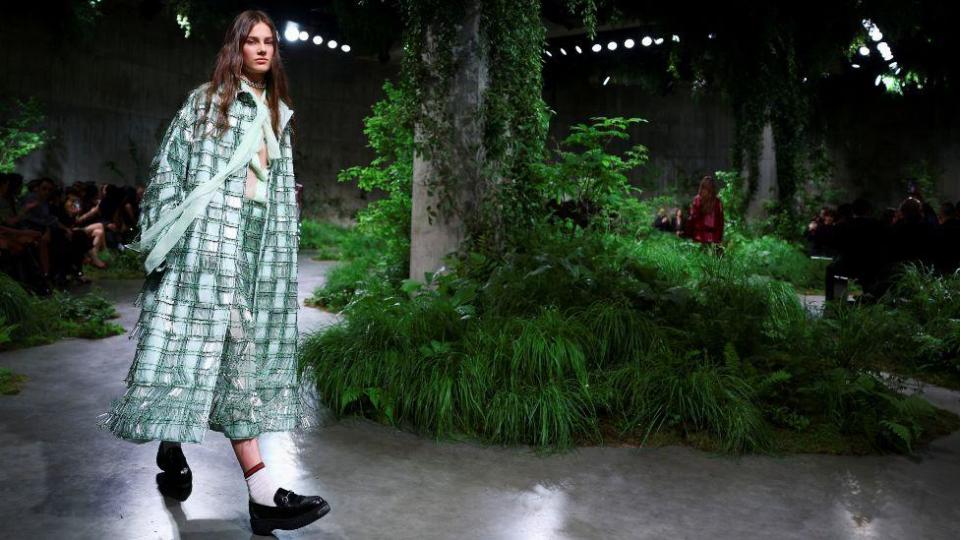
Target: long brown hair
point(229, 66)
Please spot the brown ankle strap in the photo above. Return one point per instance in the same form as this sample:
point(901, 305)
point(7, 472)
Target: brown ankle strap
point(253, 469)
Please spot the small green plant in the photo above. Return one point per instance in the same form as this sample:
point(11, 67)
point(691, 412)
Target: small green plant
point(20, 132)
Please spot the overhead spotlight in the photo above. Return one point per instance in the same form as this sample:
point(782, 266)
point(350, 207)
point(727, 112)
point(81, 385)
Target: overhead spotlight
point(317, 40)
point(563, 51)
point(612, 45)
point(885, 51)
point(675, 38)
point(658, 41)
point(646, 41)
point(596, 47)
point(629, 43)
point(292, 31)
point(547, 52)
point(304, 35)
point(332, 44)
point(605, 81)
point(578, 49)
point(345, 48)
point(864, 50)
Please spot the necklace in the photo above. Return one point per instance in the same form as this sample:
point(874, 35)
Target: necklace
point(258, 85)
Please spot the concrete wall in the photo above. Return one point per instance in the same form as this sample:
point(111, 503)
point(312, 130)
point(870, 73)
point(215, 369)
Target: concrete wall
point(686, 138)
point(120, 92)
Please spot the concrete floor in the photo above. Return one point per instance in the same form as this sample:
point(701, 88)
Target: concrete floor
point(62, 478)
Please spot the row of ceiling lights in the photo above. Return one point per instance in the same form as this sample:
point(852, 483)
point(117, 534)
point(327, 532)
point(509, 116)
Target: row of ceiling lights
point(292, 32)
point(628, 43)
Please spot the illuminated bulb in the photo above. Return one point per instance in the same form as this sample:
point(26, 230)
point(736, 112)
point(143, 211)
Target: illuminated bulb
point(605, 81)
point(855, 66)
point(646, 41)
point(345, 48)
point(547, 52)
point(676, 38)
point(291, 32)
point(864, 50)
point(332, 44)
point(563, 51)
point(612, 45)
point(629, 43)
point(317, 40)
point(596, 47)
point(658, 41)
point(304, 35)
point(578, 49)
point(878, 80)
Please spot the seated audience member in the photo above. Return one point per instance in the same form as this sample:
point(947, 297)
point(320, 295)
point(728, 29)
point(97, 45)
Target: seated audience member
point(13, 237)
point(910, 236)
point(61, 253)
point(677, 221)
point(705, 219)
point(662, 221)
point(820, 234)
point(859, 250)
point(93, 232)
point(946, 245)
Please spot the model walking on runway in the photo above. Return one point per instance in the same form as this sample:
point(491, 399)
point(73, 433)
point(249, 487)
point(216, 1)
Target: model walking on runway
point(217, 332)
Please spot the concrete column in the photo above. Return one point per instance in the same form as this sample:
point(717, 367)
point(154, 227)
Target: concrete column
point(436, 233)
point(767, 183)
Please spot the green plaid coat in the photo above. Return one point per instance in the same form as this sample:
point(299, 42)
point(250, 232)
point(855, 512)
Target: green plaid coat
point(175, 384)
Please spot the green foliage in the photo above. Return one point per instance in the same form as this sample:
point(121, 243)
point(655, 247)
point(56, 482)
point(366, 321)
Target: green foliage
point(20, 132)
point(36, 321)
point(10, 382)
point(324, 237)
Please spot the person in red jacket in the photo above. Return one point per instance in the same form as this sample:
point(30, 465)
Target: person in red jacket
point(705, 221)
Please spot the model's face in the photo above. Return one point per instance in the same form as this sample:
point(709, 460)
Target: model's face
point(258, 49)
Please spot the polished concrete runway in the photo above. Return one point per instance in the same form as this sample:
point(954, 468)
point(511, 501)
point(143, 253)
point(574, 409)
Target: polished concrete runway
point(60, 478)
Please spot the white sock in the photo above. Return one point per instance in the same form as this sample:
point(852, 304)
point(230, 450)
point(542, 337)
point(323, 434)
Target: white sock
point(262, 487)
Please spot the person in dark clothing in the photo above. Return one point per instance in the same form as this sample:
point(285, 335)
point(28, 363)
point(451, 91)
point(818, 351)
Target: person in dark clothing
point(910, 237)
point(946, 245)
point(859, 249)
point(821, 234)
point(662, 221)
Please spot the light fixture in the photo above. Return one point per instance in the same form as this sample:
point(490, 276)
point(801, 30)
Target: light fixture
point(345, 48)
point(304, 35)
point(646, 41)
point(317, 40)
point(563, 51)
point(658, 41)
point(711, 35)
point(578, 49)
point(878, 80)
point(292, 31)
point(332, 44)
point(864, 50)
point(612, 45)
point(855, 66)
point(885, 51)
point(596, 47)
point(629, 43)
point(605, 81)
point(547, 52)
point(675, 38)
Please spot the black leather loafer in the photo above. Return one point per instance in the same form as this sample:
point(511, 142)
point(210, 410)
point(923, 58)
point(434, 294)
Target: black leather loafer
point(291, 512)
point(176, 480)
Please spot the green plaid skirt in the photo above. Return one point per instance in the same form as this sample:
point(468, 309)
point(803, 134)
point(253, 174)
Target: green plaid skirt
point(247, 398)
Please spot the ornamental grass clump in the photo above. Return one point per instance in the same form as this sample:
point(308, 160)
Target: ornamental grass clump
point(588, 326)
